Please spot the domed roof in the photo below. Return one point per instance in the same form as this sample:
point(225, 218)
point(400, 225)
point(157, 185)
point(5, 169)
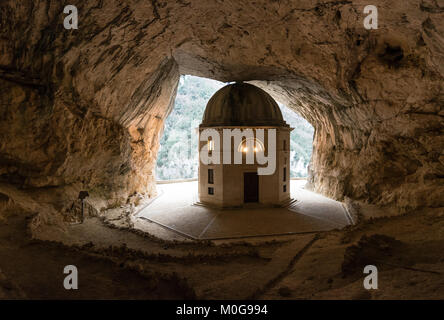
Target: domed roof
point(242, 104)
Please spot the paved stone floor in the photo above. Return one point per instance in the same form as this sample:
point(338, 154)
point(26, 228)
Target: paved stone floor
point(174, 210)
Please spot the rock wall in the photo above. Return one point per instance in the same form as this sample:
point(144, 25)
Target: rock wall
point(84, 108)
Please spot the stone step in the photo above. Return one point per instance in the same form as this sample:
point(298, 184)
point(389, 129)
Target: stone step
point(288, 203)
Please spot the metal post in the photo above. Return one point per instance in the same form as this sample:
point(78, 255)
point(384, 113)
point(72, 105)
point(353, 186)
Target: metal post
point(83, 216)
point(82, 196)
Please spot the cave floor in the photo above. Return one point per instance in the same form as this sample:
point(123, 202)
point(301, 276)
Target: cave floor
point(117, 261)
point(33, 269)
point(175, 210)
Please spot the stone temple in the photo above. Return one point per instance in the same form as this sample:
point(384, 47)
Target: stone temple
point(223, 183)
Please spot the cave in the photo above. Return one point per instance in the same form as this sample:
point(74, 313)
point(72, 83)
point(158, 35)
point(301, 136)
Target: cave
point(83, 109)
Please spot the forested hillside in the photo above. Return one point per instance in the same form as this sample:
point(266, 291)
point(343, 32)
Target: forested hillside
point(178, 155)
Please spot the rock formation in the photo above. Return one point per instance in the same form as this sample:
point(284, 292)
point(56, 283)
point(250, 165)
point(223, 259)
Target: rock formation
point(83, 109)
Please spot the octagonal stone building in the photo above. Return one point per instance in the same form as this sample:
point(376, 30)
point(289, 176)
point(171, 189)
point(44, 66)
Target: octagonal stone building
point(243, 123)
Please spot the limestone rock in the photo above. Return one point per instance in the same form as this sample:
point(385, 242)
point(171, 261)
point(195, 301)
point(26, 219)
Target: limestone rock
point(85, 108)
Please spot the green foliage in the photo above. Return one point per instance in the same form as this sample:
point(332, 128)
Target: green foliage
point(178, 156)
point(301, 142)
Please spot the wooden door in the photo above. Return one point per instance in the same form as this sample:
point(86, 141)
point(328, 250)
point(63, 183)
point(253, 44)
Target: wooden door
point(251, 187)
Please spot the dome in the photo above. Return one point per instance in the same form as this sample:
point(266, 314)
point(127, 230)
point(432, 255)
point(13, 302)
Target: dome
point(242, 104)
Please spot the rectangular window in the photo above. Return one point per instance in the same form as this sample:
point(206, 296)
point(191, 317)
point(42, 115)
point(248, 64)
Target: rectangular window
point(285, 145)
point(210, 190)
point(285, 174)
point(285, 188)
point(210, 176)
point(210, 145)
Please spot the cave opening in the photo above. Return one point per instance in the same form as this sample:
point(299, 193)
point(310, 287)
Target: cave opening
point(177, 157)
point(193, 195)
point(192, 199)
